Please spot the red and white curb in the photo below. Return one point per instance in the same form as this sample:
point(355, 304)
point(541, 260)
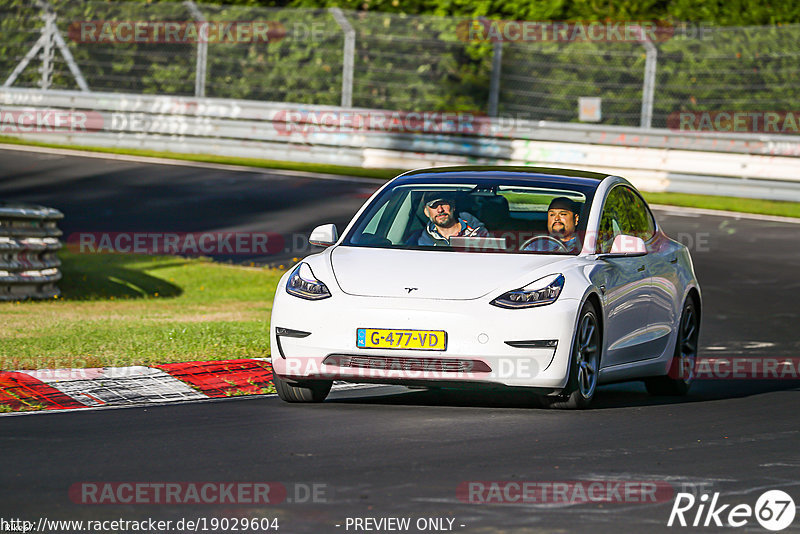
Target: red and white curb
point(60, 389)
point(64, 389)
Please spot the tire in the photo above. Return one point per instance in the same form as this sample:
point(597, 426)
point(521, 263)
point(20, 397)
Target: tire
point(299, 391)
point(584, 364)
point(682, 367)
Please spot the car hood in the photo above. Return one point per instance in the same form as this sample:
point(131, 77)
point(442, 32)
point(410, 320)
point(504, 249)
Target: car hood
point(374, 272)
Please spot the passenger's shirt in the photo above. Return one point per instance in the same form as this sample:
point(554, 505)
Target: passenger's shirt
point(470, 227)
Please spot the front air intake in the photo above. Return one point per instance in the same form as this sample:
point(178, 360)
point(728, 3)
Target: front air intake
point(399, 363)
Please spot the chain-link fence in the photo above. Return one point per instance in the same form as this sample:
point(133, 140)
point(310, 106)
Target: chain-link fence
point(545, 81)
point(735, 69)
point(390, 61)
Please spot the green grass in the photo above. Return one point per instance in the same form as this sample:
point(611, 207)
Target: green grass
point(120, 309)
point(745, 205)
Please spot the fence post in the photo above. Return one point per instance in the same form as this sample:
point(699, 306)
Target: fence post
point(202, 50)
point(349, 56)
point(648, 88)
point(49, 36)
point(494, 83)
point(46, 69)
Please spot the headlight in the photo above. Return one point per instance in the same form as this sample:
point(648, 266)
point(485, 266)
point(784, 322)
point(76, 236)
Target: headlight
point(539, 293)
point(302, 283)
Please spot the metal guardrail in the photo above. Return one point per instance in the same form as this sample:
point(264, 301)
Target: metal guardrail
point(748, 165)
point(175, 115)
point(29, 266)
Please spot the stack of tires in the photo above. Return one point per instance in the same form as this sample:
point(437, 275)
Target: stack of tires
point(29, 241)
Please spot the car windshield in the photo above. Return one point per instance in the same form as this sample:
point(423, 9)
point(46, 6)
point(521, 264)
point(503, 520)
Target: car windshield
point(521, 217)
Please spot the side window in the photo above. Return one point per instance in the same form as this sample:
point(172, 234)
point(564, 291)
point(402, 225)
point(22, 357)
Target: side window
point(385, 222)
point(640, 221)
point(624, 213)
point(372, 225)
point(611, 220)
point(397, 229)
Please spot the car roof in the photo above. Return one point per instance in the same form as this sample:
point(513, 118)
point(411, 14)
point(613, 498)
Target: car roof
point(516, 174)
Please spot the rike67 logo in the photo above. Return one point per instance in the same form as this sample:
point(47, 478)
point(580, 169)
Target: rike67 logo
point(774, 510)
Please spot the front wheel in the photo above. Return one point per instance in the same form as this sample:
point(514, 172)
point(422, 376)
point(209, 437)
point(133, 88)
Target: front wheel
point(682, 368)
point(301, 391)
point(584, 363)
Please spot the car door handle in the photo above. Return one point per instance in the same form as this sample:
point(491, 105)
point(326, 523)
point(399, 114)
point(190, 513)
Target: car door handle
point(674, 260)
point(640, 269)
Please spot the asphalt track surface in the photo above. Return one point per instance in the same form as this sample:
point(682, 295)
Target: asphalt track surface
point(394, 452)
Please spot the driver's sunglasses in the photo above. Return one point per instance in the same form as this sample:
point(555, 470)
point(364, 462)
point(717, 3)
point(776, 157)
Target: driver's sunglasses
point(435, 205)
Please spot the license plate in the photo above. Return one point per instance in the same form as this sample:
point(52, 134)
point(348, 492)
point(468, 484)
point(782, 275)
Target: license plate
point(381, 338)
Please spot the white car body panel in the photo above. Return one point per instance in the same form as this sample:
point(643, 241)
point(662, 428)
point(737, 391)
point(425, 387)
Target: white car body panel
point(639, 310)
point(432, 275)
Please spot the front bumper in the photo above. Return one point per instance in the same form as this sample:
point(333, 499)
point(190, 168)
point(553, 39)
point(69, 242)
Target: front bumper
point(476, 332)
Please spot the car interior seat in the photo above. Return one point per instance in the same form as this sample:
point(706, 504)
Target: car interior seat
point(493, 212)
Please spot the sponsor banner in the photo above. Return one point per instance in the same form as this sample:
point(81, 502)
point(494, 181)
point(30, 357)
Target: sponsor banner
point(759, 121)
point(174, 31)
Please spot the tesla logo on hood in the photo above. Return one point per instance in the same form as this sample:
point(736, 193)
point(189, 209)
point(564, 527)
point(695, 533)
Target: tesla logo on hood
point(410, 289)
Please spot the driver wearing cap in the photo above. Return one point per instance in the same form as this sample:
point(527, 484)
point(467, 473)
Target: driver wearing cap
point(562, 220)
point(444, 223)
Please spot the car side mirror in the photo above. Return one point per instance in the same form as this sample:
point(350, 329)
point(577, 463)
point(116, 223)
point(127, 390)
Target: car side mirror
point(324, 235)
point(626, 245)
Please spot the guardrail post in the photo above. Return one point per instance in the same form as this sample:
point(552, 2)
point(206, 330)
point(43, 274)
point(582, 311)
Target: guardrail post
point(494, 83)
point(49, 36)
point(46, 69)
point(349, 56)
point(648, 88)
point(202, 49)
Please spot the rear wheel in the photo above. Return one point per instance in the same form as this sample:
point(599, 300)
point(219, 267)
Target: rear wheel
point(585, 364)
point(301, 391)
point(682, 368)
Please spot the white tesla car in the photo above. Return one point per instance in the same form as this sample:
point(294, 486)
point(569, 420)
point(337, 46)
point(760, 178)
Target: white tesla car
point(552, 280)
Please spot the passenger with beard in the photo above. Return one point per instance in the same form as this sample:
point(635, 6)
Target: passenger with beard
point(444, 223)
point(562, 221)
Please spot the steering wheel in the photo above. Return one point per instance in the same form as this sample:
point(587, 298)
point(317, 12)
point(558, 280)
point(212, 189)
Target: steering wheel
point(561, 246)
